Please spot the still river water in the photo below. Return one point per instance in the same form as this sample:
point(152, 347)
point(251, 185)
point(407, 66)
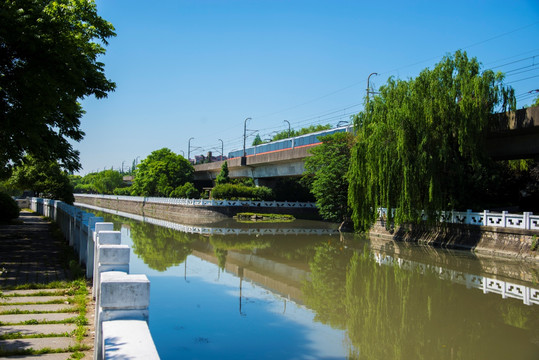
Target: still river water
point(300, 291)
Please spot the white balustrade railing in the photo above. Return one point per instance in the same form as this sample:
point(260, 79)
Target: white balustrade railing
point(205, 202)
point(528, 295)
point(525, 221)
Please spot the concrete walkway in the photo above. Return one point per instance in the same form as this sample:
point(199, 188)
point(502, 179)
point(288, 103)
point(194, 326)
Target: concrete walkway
point(35, 319)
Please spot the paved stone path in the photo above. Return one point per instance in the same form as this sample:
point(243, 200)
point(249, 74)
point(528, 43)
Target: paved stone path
point(31, 319)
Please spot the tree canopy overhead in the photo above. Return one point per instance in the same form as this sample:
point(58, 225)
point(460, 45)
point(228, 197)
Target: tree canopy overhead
point(420, 141)
point(48, 60)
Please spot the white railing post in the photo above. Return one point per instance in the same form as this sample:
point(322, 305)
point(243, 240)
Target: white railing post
point(90, 247)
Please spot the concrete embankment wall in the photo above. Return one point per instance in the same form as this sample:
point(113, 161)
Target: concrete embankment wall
point(188, 214)
point(500, 241)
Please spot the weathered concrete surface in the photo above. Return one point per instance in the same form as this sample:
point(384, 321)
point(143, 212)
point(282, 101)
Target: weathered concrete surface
point(37, 343)
point(133, 336)
point(9, 300)
point(20, 318)
point(38, 308)
point(29, 253)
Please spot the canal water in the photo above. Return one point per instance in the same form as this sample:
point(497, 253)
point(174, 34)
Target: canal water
point(301, 290)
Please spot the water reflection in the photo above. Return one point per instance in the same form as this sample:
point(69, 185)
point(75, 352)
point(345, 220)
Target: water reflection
point(361, 298)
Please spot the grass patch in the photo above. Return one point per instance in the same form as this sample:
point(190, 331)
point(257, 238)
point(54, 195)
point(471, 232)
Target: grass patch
point(18, 335)
point(74, 349)
point(248, 217)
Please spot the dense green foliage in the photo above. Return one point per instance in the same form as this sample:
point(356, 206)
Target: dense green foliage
point(161, 173)
point(223, 177)
point(285, 134)
point(241, 192)
point(328, 166)
point(49, 54)
point(103, 182)
point(186, 191)
point(9, 209)
point(421, 142)
point(257, 140)
point(45, 178)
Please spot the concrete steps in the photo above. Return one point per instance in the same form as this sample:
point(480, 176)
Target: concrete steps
point(25, 324)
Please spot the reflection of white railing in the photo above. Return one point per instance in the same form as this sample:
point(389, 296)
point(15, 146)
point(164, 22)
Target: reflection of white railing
point(203, 202)
point(526, 220)
point(191, 229)
point(528, 295)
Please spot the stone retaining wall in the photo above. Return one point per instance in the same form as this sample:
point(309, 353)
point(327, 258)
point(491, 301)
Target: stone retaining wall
point(482, 239)
point(186, 214)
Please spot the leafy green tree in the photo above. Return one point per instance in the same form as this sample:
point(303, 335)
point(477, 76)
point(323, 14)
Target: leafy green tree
point(223, 178)
point(257, 140)
point(285, 134)
point(161, 173)
point(420, 142)
point(103, 182)
point(49, 54)
point(536, 103)
point(44, 178)
point(187, 191)
point(328, 166)
point(107, 180)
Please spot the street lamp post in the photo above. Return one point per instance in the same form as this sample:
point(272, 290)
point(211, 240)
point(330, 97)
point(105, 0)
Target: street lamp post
point(368, 86)
point(189, 149)
point(245, 135)
point(222, 148)
point(286, 121)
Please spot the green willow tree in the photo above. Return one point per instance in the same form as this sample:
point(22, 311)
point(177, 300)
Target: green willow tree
point(419, 142)
point(49, 54)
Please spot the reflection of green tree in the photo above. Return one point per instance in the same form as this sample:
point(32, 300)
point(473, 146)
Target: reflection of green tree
point(325, 292)
point(392, 313)
point(221, 245)
point(238, 243)
point(221, 257)
point(160, 247)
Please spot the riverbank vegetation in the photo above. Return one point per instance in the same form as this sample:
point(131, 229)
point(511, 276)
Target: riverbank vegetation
point(249, 217)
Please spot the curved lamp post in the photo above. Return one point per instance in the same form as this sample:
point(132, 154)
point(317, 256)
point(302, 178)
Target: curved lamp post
point(286, 121)
point(189, 149)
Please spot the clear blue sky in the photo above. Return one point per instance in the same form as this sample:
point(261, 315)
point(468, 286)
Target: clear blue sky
point(198, 68)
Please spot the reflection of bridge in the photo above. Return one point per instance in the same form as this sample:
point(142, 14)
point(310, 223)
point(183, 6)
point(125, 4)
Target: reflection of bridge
point(506, 289)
